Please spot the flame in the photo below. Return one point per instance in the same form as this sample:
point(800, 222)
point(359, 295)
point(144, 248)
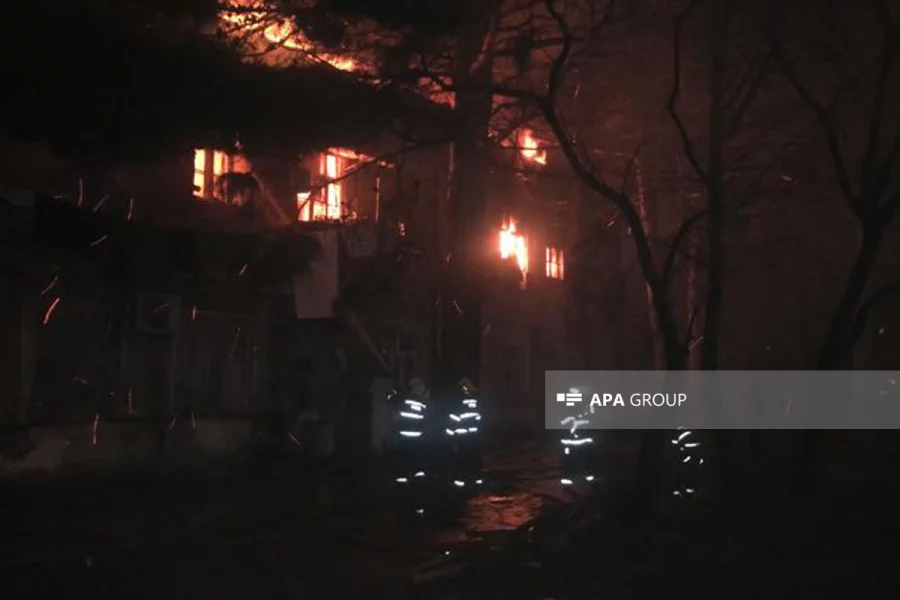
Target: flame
point(514, 245)
point(247, 16)
point(530, 149)
point(332, 170)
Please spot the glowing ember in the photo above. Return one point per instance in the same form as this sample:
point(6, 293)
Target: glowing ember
point(530, 149)
point(514, 245)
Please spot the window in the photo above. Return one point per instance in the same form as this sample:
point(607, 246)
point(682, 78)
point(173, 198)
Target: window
point(328, 203)
point(514, 245)
point(555, 261)
point(209, 165)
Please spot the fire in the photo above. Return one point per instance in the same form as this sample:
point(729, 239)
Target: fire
point(530, 149)
point(514, 245)
point(245, 17)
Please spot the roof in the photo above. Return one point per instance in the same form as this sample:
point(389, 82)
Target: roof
point(146, 96)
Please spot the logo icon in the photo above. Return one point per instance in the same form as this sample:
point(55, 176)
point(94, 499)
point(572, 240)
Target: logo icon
point(571, 398)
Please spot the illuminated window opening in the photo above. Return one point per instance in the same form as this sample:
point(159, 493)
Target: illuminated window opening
point(555, 263)
point(210, 165)
point(328, 203)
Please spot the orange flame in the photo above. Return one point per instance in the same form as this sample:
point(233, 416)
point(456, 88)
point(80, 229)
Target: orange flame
point(530, 149)
point(248, 16)
point(514, 245)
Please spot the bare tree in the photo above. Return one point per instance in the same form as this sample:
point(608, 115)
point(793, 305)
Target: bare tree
point(865, 174)
point(862, 136)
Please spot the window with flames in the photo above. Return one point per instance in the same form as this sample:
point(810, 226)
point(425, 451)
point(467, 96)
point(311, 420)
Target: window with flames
point(514, 246)
point(209, 166)
point(328, 201)
point(555, 263)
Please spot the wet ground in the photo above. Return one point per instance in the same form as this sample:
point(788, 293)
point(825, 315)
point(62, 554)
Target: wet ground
point(276, 535)
point(293, 533)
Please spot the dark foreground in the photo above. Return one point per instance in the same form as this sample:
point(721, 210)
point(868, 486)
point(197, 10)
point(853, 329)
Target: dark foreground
point(292, 532)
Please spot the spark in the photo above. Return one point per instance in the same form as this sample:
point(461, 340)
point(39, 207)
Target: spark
point(50, 310)
point(456, 306)
point(130, 405)
point(293, 438)
point(161, 307)
point(95, 427)
point(81, 380)
point(99, 240)
point(411, 433)
point(130, 209)
point(172, 422)
point(194, 313)
point(101, 203)
point(80, 190)
point(50, 285)
point(193, 421)
point(487, 330)
point(243, 270)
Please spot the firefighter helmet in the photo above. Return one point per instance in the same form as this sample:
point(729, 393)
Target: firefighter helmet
point(466, 385)
point(417, 387)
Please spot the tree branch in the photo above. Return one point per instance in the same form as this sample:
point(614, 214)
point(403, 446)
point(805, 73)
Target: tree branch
point(673, 96)
point(866, 308)
point(824, 117)
point(887, 56)
point(679, 237)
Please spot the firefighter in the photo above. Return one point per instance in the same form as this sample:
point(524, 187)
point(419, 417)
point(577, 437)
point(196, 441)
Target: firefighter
point(409, 456)
point(464, 435)
point(580, 460)
point(689, 463)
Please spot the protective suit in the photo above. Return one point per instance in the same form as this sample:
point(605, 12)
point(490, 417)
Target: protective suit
point(410, 419)
point(464, 435)
point(581, 452)
point(690, 463)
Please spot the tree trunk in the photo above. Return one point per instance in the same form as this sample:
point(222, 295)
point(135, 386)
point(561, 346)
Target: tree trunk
point(720, 20)
point(656, 341)
point(836, 353)
point(462, 300)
